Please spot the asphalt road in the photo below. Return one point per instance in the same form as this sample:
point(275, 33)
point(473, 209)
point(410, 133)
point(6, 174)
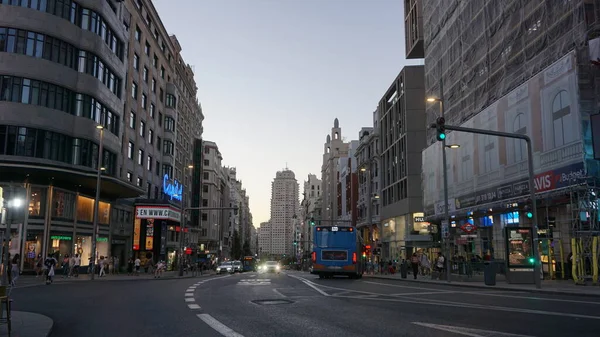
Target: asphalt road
point(299, 304)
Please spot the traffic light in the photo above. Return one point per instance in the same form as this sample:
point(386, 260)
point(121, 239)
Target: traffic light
point(295, 243)
point(441, 128)
point(364, 255)
point(531, 260)
point(529, 215)
point(312, 221)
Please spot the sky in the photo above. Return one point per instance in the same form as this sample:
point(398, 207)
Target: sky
point(272, 76)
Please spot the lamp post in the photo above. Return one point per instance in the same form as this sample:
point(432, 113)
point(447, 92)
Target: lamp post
point(183, 223)
point(12, 204)
point(446, 219)
point(97, 202)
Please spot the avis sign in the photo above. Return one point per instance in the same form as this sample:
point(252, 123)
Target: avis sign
point(173, 190)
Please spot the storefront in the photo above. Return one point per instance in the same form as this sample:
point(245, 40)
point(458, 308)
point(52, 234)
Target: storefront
point(153, 228)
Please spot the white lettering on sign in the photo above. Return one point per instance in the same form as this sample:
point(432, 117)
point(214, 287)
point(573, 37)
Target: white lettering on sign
point(157, 213)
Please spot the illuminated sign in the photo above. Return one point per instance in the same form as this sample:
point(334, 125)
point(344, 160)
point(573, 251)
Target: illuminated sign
point(162, 213)
point(173, 190)
point(137, 224)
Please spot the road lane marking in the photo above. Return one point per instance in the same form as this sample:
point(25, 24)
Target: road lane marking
point(278, 293)
point(399, 286)
point(189, 294)
point(190, 299)
point(218, 326)
point(531, 298)
point(469, 331)
point(310, 284)
point(194, 306)
point(426, 293)
point(479, 306)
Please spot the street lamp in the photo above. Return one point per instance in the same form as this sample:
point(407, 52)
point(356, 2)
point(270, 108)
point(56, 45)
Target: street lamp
point(97, 201)
point(11, 205)
point(446, 221)
point(452, 146)
point(183, 223)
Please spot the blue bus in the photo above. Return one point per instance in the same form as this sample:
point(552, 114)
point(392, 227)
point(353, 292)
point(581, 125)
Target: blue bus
point(336, 251)
point(250, 263)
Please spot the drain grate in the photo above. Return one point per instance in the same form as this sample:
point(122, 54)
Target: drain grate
point(272, 302)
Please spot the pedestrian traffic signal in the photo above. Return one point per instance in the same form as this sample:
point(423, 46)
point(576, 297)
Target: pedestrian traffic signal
point(312, 221)
point(441, 128)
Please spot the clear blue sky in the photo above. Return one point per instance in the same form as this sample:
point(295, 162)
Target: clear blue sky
point(273, 74)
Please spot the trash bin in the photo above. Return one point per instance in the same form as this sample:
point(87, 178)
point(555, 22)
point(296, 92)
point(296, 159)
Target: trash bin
point(489, 274)
point(403, 269)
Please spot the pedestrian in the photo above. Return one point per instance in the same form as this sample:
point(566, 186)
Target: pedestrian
point(137, 264)
point(102, 264)
point(425, 264)
point(15, 269)
point(130, 266)
point(76, 261)
point(414, 262)
point(50, 264)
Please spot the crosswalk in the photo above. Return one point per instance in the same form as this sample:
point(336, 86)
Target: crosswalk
point(255, 282)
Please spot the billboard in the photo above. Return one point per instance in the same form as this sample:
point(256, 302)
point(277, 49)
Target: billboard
point(487, 169)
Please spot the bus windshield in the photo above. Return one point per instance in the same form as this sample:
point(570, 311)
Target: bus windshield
point(335, 237)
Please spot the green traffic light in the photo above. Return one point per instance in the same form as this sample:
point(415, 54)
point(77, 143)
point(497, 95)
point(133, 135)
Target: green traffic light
point(441, 136)
point(531, 260)
point(529, 215)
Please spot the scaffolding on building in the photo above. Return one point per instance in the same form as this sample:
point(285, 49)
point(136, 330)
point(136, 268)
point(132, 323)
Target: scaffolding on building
point(584, 232)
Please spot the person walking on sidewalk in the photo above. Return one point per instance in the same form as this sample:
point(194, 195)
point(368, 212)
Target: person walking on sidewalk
point(440, 264)
point(76, 263)
point(425, 264)
point(50, 263)
point(414, 262)
point(14, 270)
point(102, 264)
point(137, 264)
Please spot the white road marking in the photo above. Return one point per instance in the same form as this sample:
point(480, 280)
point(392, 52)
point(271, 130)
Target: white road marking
point(278, 293)
point(532, 298)
point(399, 286)
point(218, 326)
point(468, 331)
point(310, 284)
point(427, 293)
point(190, 299)
point(189, 294)
point(194, 306)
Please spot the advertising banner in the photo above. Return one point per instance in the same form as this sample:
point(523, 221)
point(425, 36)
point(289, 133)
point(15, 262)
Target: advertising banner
point(485, 169)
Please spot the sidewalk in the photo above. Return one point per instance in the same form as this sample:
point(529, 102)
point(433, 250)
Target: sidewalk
point(28, 324)
point(30, 281)
point(548, 286)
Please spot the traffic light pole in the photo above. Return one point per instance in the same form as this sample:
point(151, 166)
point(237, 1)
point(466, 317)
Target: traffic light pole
point(445, 225)
point(534, 226)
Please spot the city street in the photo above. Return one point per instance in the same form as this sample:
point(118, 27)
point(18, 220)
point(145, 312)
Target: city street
point(299, 304)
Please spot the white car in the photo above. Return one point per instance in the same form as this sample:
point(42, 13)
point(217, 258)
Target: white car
point(225, 267)
point(271, 267)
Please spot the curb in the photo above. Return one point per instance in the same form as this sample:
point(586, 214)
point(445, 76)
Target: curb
point(482, 286)
point(43, 329)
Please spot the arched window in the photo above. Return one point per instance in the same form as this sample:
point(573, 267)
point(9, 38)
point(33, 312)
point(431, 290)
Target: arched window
point(519, 145)
point(561, 110)
point(336, 135)
point(488, 150)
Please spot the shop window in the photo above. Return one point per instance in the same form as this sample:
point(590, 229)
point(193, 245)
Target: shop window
point(61, 244)
point(83, 247)
point(33, 244)
point(63, 205)
point(85, 209)
point(37, 202)
point(104, 213)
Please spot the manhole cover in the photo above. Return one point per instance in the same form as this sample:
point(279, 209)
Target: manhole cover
point(272, 302)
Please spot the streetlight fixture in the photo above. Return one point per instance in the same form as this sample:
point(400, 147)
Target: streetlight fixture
point(446, 221)
point(97, 201)
point(13, 204)
point(452, 146)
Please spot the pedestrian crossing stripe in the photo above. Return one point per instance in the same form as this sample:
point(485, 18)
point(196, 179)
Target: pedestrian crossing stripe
point(255, 282)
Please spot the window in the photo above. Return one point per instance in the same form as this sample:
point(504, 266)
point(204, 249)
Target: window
point(162, 72)
point(130, 150)
point(561, 119)
point(157, 168)
point(138, 34)
point(206, 176)
point(140, 157)
point(161, 95)
point(158, 142)
point(149, 163)
point(155, 61)
point(488, 149)
point(132, 120)
point(144, 101)
point(150, 136)
point(153, 85)
point(139, 181)
point(129, 176)
point(149, 189)
point(142, 129)
point(147, 48)
point(168, 147)
point(167, 169)
point(519, 146)
point(206, 162)
point(207, 150)
point(160, 119)
point(171, 101)
point(169, 124)
point(204, 188)
point(145, 74)
point(152, 110)
point(136, 62)
point(134, 90)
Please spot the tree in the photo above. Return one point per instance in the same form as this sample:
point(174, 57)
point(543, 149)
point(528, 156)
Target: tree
point(236, 248)
point(246, 249)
